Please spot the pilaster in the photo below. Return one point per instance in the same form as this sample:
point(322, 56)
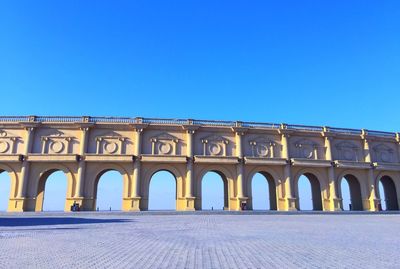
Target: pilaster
point(20, 202)
point(189, 198)
point(134, 203)
point(289, 202)
point(371, 202)
point(334, 202)
point(82, 164)
point(241, 200)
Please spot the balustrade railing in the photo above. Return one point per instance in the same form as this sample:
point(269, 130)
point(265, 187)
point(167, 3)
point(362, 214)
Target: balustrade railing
point(380, 133)
point(165, 121)
point(57, 119)
point(305, 128)
point(345, 131)
point(215, 123)
point(14, 118)
point(111, 120)
point(261, 125)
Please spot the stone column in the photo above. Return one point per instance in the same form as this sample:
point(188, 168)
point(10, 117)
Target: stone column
point(285, 145)
point(240, 181)
point(136, 178)
point(79, 195)
point(190, 199)
point(240, 170)
point(25, 164)
point(189, 167)
point(367, 154)
point(334, 201)
point(189, 177)
point(22, 202)
point(289, 200)
point(135, 196)
point(370, 202)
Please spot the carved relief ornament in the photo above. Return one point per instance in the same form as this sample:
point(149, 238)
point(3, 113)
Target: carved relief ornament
point(214, 145)
point(7, 142)
point(262, 147)
point(383, 153)
point(164, 144)
point(56, 143)
point(347, 151)
point(110, 144)
point(307, 149)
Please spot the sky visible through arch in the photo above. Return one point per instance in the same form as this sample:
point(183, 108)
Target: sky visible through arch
point(333, 63)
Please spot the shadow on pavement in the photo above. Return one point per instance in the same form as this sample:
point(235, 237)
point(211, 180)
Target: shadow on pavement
point(15, 222)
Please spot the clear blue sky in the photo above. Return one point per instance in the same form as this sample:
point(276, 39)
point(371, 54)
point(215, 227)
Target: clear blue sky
point(331, 63)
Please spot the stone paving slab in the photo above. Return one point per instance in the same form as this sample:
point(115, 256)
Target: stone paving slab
point(125, 240)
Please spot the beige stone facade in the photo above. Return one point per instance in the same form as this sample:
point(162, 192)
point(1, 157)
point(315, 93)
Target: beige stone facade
point(84, 148)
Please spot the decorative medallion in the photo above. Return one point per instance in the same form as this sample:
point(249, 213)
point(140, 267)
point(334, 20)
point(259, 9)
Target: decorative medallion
point(348, 154)
point(385, 157)
point(306, 149)
point(110, 143)
point(164, 148)
point(307, 152)
point(4, 146)
point(164, 144)
point(214, 145)
point(110, 147)
point(263, 146)
point(56, 143)
point(347, 151)
point(262, 150)
point(56, 146)
point(383, 153)
point(214, 148)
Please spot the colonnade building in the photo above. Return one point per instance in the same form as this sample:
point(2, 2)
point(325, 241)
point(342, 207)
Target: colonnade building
point(84, 148)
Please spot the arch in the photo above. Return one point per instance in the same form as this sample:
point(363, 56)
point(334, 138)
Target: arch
point(268, 170)
point(41, 183)
point(390, 192)
point(14, 185)
point(55, 192)
point(224, 187)
point(355, 191)
point(117, 168)
point(271, 181)
point(227, 178)
point(110, 205)
point(93, 173)
point(5, 190)
point(314, 178)
point(148, 173)
point(220, 169)
point(163, 193)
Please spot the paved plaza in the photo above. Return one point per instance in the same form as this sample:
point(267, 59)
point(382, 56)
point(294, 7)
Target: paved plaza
point(129, 240)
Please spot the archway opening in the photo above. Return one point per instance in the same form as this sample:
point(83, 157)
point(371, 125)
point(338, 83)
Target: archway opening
point(263, 192)
point(388, 194)
point(5, 189)
point(162, 191)
point(52, 191)
point(309, 193)
point(214, 191)
point(109, 187)
point(351, 193)
point(346, 200)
